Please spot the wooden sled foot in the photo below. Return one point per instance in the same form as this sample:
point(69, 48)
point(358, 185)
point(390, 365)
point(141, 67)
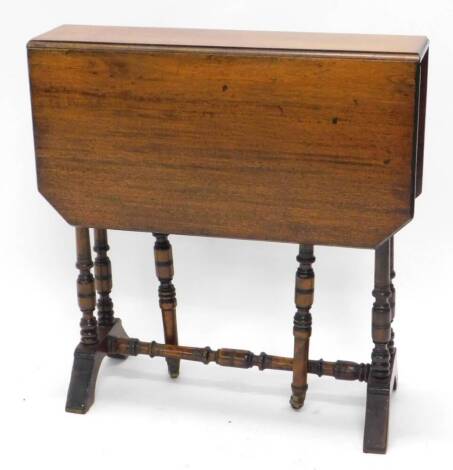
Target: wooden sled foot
point(87, 360)
point(377, 414)
point(377, 419)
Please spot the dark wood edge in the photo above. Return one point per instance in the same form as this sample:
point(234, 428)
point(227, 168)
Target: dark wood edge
point(421, 122)
point(101, 46)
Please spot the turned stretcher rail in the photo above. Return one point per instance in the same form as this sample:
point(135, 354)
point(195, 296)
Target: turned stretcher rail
point(342, 370)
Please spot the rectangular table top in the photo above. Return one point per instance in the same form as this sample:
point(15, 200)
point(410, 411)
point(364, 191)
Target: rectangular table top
point(413, 47)
point(295, 137)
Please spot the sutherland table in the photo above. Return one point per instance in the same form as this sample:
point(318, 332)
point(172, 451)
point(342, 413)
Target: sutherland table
point(291, 137)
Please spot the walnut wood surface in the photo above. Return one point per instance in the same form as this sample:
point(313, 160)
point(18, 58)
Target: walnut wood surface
point(238, 143)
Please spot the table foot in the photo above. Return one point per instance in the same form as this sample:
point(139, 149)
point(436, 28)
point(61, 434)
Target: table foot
point(83, 379)
point(377, 412)
point(87, 361)
point(173, 368)
point(298, 397)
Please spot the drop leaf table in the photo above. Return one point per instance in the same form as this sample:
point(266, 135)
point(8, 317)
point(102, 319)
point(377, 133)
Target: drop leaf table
point(294, 137)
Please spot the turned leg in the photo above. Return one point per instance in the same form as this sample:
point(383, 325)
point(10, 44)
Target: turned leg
point(392, 348)
point(103, 283)
point(85, 287)
point(380, 379)
point(167, 295)
point(91, 349)
point(86, 361)
point(103, 278)
point(305, 279)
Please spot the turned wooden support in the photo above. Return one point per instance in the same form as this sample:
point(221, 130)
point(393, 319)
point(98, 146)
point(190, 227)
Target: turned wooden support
point(103, 278)
point(85, 287)
point(383, 361)
point(167, 295)
point(305, 281)
point(392, 296)
point(341, 370)
point(382, 313)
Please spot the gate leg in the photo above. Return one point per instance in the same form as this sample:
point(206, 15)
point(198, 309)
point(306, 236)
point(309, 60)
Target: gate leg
point(167, 295)
point(305, 281)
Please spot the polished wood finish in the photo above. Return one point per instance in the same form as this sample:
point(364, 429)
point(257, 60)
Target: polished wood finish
point(305, 285)
point(163, 257)
point(262, 142)
point(298, 137)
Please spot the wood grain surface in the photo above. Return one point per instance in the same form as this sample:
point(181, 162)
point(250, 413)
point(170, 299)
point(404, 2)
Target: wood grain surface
point(227, 142)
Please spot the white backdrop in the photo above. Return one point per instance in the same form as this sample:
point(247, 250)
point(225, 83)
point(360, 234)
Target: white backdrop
point(230, 293)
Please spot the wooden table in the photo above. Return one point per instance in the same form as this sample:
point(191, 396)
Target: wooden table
point(291, 137)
